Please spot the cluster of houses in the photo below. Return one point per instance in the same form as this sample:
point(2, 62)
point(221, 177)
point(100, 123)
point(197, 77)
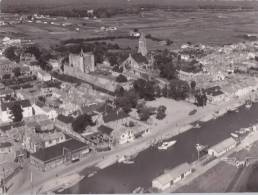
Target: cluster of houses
point(49, 108)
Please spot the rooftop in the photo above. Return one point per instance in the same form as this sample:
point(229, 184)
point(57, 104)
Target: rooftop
point(172, 174)
point(57, 151)
point(5, 144)
point(104, 129)
point(65, 119)
point(223, 145)
point(8, 105)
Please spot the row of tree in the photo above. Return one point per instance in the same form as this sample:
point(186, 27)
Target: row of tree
point(42, 55)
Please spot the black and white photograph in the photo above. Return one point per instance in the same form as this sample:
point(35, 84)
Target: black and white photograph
point(128, 96)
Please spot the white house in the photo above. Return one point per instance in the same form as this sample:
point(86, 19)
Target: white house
point(50, 113)
point(5, 110)
point(43, 76)
point(172, 177)
point(222, 147)
point(124, 136)
point(219, 76)
point(245, 91)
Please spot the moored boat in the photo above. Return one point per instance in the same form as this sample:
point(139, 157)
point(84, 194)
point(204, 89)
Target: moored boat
point(92, 174)
point(166, 145)
point(138, 190)
point(234, 135)
point(128, 162)
point(248, 104)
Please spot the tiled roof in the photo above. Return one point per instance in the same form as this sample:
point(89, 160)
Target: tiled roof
point(104, 129)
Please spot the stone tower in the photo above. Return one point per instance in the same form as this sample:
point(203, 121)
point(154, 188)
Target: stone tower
point(142, 49)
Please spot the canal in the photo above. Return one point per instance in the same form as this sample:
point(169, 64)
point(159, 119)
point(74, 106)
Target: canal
point(122, 178)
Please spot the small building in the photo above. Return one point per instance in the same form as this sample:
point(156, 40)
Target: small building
point(214, 94)
point(172, 177)
point(43, 76)
point(6, 67)
point(44, 110)
point(5, 92)
point(59, 154)
point(222, 147)
point(5, 147)
point(64, 123)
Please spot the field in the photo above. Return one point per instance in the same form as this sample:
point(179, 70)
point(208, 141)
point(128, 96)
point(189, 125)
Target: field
point(207, 27)
point(70, 4)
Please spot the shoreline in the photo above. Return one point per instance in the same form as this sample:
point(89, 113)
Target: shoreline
point(180, 129)
point(107, 159)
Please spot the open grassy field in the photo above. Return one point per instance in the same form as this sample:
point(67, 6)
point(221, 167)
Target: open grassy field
point(68, 4)
point(207, 27)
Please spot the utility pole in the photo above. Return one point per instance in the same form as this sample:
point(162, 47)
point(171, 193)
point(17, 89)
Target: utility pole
point(31, 181)
point(3, 182)
point(198, 147)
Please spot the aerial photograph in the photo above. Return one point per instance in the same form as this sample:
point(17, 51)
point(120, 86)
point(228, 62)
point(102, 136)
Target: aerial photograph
point(128, 96)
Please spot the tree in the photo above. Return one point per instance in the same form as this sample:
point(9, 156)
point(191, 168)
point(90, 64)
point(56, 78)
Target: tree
point(164, 62)
point(81, 122)
point(193, 85)
point(145, 89)
point(16, 112)
point(201, 98)
point(119, 91)
point(144, 113)
point(12, 53)
point(127, 101)
point(161, 112)
point(118, 69)
point(17, 71)
point(158, 91)
point(121, 79)
point(178, 89)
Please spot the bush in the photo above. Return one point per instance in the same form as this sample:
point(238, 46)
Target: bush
point(178, 89)
point(81, 122)
point(161, 112)
point(121, 79)
point(144, 114)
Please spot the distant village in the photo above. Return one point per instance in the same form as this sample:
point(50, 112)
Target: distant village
point(61, 106)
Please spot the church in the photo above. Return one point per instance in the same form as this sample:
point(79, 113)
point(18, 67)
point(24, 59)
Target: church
point(140, 64)
point(80, 63)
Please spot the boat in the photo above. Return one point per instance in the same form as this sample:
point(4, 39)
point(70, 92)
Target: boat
point(234, 135)
point(197, 125)
point(138, 190)
point(92, 174)
point(248, 104)
point(241, 131)
point(122, 159)
point(128, 162)
point(166, 145)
